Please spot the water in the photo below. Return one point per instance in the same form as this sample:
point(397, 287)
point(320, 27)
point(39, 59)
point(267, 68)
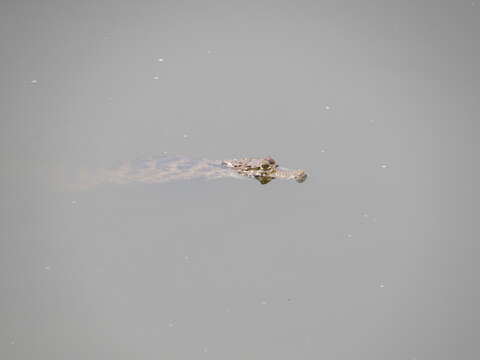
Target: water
point(372, 257)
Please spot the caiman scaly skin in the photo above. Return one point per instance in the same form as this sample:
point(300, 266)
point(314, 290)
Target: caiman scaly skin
point(263, 169)
point(160, 169)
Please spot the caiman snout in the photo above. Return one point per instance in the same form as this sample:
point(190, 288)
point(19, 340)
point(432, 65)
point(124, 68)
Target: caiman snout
point(301, 177)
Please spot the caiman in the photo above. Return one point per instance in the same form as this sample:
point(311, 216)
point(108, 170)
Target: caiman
point(160, 169)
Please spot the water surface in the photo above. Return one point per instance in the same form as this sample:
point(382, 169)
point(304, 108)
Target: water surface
point(371, 258)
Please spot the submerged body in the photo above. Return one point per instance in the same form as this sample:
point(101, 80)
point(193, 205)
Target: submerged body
point(159, 169)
